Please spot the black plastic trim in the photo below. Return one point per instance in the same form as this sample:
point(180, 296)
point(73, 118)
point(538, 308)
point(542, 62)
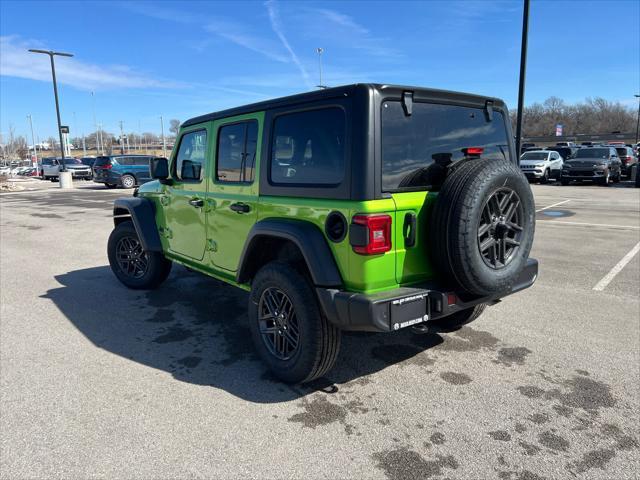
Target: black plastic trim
point(340, 218)
point(306, 236)
point(372, 312)
point(142, 213)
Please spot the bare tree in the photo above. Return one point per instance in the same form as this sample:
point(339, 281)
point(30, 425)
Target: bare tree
point(174, 126)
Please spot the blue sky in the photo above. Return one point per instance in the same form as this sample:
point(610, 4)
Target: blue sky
point(181, 59)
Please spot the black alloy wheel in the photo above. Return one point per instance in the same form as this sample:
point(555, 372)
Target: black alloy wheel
point(132, 259)
point(500, 228)
point(278, 323)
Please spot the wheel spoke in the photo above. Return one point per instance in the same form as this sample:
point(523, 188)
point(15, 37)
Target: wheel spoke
point(278, 324)
point(483, 229)
point(511, 241)
point(488, 243)
point(505, 201)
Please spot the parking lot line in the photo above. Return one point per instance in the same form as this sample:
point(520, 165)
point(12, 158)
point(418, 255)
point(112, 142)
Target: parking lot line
point(551, 206)
point(584, 224)
point(602, 284)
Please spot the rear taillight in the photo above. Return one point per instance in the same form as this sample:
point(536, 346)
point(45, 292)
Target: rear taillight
point(371, 234)
point(473, 151)
point(106, 167)
point(625, 160)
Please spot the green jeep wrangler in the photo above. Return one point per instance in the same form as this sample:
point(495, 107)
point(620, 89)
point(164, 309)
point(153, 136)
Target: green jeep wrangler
point(363, 207)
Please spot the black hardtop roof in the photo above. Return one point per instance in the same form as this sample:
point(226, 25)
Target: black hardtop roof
point(336, 92)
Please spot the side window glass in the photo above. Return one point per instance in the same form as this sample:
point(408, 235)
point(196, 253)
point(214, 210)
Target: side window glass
point(308, 148)
point(142, 161)
point(237, 145)
point(191, 156)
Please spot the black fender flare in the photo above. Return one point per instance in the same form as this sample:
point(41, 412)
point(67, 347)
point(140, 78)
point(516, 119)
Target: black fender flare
point(143, 215)
point(306, 236)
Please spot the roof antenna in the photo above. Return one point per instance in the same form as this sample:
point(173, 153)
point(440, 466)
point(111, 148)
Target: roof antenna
point(319, 51)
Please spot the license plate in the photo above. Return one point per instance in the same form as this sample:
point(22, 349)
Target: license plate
point(409, 311)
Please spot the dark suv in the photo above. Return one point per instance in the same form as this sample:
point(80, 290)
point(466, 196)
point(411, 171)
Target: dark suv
point(364, 207)
point(627, 159)
point(124, 170)
point(596, 164)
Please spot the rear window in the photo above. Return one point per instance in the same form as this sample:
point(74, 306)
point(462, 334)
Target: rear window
point(102, 161)
point(534, 156)
point(593, 153)
point(623, 151)
point(417, 148)
point(308, 148)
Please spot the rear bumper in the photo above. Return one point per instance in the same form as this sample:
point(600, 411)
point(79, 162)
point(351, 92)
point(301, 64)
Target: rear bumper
point(402, 307)
point(106, 177)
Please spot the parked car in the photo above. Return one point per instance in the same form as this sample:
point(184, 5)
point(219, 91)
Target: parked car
point(51, 168)
point(597, 164)
point(541, 165)
point(565, 144)
point(565, 152)
point(124, 170)
point(321, 205)
point(627, 158)
point(89, 161)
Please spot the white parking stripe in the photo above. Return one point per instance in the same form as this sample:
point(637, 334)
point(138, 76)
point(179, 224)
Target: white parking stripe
point(606, 280)
point(560, 222)
point(551, 206)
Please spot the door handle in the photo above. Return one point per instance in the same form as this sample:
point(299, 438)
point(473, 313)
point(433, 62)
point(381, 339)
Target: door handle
point(240, 207)
point(409, 230)
point(196, 202)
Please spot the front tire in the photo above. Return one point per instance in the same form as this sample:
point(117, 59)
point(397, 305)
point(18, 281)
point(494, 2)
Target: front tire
point(606, 180)
point(133, 266)
point(545, 177)
point(290, 333)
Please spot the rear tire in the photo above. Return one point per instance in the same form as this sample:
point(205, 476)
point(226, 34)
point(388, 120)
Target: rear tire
point(128, 181)
point(290, 333)
point(482, 226)
point(134, 267)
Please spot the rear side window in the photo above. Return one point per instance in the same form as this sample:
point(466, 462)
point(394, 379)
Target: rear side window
point(416, 149)
point(236, 156)
point(141, 161)
point(102, 161)
point(191, 155)
point(308, 148)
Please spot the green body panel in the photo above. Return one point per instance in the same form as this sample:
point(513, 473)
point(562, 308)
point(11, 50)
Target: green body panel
point(226, 229)
point(412, 263)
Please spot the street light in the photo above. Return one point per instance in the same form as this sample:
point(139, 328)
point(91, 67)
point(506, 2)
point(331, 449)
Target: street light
point(638, 120)
point(523, 67)
point(320, 51)
point(33, 139)
point(55, 93)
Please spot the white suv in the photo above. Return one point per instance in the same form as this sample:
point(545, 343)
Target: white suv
point(50, 168)
point(541, 165)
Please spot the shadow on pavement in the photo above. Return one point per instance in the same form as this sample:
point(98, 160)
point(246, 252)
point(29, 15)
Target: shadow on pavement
point(195, 328)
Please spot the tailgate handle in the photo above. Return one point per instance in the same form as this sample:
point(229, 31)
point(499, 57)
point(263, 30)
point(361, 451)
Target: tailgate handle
point(409, 230)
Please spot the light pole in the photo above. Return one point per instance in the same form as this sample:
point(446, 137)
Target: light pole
point(164, 143)
point(320, 51)
point(95, 124)
point(33, 138)
point(121, 138)
point(55, 93)
point(638, 120)
point(523, 67)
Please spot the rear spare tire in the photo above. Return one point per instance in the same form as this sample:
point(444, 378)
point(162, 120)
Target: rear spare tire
point(482, 226)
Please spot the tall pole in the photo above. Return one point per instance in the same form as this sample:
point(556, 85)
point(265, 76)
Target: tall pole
point(164, 143)
point(523, 67)
point(320, 51)
point(121, 139)
point(55, 94)
point(33, 138)
point(638, 120)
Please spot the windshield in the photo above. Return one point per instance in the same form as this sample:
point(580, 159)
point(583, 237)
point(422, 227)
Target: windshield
point(534, 156)
point(416, 149)
point(72, 161)
point(593, 153)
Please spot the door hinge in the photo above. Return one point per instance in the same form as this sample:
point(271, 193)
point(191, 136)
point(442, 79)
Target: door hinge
point(212, 246)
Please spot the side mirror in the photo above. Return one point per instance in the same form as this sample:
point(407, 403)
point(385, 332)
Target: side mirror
point(159, 167)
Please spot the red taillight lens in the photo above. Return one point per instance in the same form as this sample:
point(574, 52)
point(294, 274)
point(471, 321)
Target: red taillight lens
point(378, 234)
point(473, 151)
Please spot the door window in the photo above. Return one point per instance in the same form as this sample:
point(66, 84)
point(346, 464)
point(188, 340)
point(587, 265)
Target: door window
point(236, 158)
point(191, 156)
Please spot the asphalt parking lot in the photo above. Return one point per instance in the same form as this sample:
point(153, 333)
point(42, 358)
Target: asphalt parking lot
point(101, 381)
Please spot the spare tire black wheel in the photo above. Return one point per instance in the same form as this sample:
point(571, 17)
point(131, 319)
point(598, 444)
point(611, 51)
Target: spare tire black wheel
point(482, 226)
